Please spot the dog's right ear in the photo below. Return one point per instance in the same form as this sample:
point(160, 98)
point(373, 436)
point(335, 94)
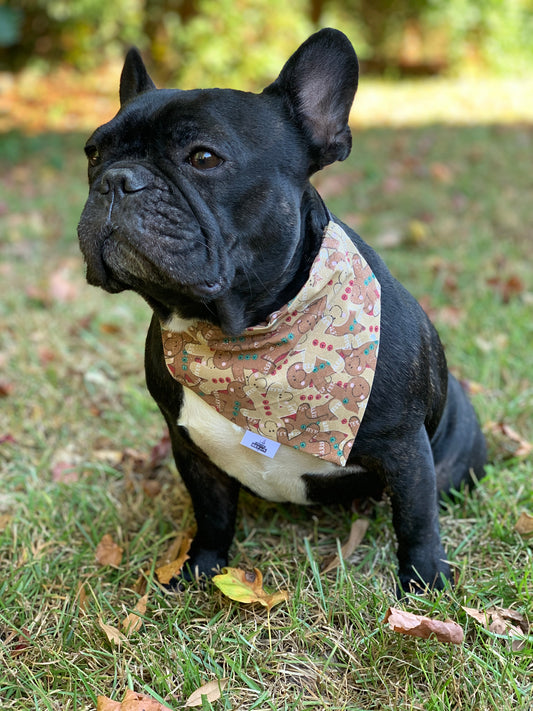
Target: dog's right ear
point(318, 83)
point(134, 79)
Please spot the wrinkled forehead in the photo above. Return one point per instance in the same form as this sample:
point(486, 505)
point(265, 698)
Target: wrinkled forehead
point(195, 115)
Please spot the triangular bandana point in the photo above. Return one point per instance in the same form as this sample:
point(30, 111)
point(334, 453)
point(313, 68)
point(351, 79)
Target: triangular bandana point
point(303, 378)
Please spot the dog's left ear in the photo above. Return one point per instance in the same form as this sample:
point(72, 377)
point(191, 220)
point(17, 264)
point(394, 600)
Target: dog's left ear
point(319, 82)
point(134, 79)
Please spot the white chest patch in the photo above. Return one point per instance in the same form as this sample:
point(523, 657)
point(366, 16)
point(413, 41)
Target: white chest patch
point(276, 479)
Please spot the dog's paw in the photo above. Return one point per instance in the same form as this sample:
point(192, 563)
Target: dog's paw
point(199, 569)
point(424, 574)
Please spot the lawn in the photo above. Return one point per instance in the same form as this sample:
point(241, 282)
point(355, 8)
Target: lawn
point(446, 199)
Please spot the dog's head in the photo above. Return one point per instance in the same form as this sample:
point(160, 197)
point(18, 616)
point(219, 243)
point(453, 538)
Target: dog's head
point(200, 200)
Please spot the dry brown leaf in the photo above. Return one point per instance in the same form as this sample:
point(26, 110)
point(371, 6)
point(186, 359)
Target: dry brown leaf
point(103, 703)
point(524, 447)
point(5, 520)
point(133, 622)
point(524, 525)
point(113, 634)
point(108, 552)
point(132, 701)
point(13, 642)
point(245, 586)
point(478, 615)
point(151, 488)
point(507, 287)
point(165, 573)
point(357, 533)
point(212, 691)
point(6, 388)
point(110, 456)
point(424, 627)
point(520, 447)
point(82, 598)
point(504, 622)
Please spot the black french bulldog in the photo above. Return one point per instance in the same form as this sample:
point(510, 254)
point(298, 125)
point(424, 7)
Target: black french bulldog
point(200, 201)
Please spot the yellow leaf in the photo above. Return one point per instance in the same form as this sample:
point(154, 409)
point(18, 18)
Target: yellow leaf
point(133, 622)
point(166, 572)
point(113, 634)
point(108, 552)
point(245, 586)
point(212, 691)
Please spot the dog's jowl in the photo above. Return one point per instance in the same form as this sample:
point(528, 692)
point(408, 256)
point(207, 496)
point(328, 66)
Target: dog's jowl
point(282, 353)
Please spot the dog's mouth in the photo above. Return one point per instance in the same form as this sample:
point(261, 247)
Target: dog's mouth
point(118, 265)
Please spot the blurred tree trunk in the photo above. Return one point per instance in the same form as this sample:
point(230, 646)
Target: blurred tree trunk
point(315, 10)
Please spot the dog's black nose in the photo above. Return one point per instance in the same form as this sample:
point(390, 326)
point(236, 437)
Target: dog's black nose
point(122, 181)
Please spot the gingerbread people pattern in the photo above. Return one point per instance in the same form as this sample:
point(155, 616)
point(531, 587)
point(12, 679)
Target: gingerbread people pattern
point(304, 377)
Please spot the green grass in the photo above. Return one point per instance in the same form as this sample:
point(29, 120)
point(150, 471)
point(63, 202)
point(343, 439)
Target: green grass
point(449, 208)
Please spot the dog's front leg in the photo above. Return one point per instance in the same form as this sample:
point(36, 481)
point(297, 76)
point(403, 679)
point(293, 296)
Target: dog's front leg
point(214, 494)
point(414, 499)
point(214, 497)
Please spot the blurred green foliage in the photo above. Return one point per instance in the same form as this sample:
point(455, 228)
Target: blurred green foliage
point(244, 42)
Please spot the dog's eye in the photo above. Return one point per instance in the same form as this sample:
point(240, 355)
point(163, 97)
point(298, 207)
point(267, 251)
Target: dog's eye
point(204, 160)
point(93, 155)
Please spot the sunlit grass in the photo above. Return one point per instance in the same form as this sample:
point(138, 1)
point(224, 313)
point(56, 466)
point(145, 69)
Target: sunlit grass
point(449, 208)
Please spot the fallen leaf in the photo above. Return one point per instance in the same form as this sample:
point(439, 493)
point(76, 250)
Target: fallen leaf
point(82, 597)
point(110, 328)
point(133, 622)
point(108, 552)
point(5, 520)
point(245, 586)
point(13, 642)
point(424, 627)
point(110, 456)
point(417, 232)
point(212, 691)
point(160, 451)
point(524, 525)
point(357, 533)
point(508, 435)
point(166, 572)
point(113, 634)
point(151, 487)
point(504, 622)
point(132, 701)
point(478, 615)
point(507, 287)
point(63, 286)
point(64, 465)
point(103, 703)
point(525, 448)
point(46, 355)
point(64, 472)
point(6, 388)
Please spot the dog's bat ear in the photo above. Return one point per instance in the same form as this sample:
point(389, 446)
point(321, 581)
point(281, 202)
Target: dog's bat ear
point(319, 82)
point(134, 79)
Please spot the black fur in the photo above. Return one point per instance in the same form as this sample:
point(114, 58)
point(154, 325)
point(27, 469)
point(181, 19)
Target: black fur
point(233, 243)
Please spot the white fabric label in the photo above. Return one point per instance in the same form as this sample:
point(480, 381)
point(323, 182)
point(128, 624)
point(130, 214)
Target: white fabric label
point(260, 444)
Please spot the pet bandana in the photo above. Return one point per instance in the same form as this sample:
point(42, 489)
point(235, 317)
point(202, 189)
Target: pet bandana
point(303, 378)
